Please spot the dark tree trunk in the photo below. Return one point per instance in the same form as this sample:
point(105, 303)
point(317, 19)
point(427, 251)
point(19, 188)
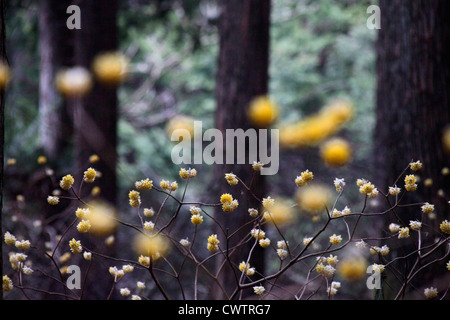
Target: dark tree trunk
point(2, 126)
point(413, 100)
point(56, 51)
point(241, 76)
point(95, 116)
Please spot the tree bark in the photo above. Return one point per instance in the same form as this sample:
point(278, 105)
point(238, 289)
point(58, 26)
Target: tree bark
point(95, 116)
point(56, 51)
point(413, 100)
point(241, 76)
point(2, 127)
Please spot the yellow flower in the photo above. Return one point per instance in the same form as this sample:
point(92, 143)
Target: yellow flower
point(415, 165)
point(196, 219)
point(149, 212)
point(231, 179)
point(66, 182)
point(41, 160)
point(336, 152)
point(10, 239)
point(94, 158)
point(75, 246)
point(182, 122)
point(95, 191)
point(52, 200)
point(7, 284)
point(11, 162)
point(226, 198)
point(264, 243)
point(314, 199)
point(5, 75)
point(445, 226)
point(82, 213)
point(213, 243)
point(71, 82)
point(135, 199)
point(353, 269)
point(110, 67)
point(258, 234)
point(446, 139)
point(102, 218)
point(268, 202)
point(334, 239)
point(89, 175)
point(65, 257)
point(191, 173)
point(410, 179)
point(262, 112)
point(281, 213)
point(153, 246)
point(145, 184)
point(230, 206)
point(84, 226)
point(144, 260)
point(403, 233)
point(23, 244)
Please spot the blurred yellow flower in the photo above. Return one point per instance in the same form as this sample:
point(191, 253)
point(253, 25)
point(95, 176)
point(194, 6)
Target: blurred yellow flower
point(313, 199)
point(110, 67)
point(5, 75)
point(71, 82)
point(153, 246)
point(281, 213)
point(336, 152)
point(180, 122)
point(315, 128)
point(262, 112)
point(102, 218)
point(352, 269)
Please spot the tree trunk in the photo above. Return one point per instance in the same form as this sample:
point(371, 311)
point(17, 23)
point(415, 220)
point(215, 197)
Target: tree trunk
point(95, 116)
point(55, 49)
point(241, 76)
point(2, 127)
point(413, 100)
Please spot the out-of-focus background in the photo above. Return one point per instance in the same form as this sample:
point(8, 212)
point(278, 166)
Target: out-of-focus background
point(351, 101)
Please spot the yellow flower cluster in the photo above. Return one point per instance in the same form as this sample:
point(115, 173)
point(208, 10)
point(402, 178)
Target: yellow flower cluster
point(262, 112)
point(135, 198)
point(75, 246)
point(7, 284)
point(336, 152)
point(166, 185)
point(445, 226)
point(185, 174)
point(367, 188)
point(52, 200)
point(228, 203)
point(353, 268)
point(415, 165)
point(196, 218)
point(110, 67)
point(245, 267)
point(74, 82)
point(318, 127)
point(231, 179)
point(5, 75)
point(410, 183)
point(145, 184)
point(66, 182)
point(305, 177)
point(213, 243)
point(89, 175)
